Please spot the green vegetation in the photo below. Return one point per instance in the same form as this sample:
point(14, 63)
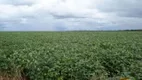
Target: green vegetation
point(71, 55)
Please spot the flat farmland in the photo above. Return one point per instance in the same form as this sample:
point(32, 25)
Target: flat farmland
point(74, 55)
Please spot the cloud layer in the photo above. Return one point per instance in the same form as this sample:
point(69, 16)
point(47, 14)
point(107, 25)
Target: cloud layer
point(55, 15)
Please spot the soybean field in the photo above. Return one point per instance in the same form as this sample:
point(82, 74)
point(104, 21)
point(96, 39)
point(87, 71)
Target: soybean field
point(72, 55)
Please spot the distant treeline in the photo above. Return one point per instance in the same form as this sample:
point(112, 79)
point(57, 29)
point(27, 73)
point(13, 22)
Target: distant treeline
point(133, 30)
point(103, 30)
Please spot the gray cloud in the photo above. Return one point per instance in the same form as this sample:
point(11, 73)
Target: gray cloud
point(64, 16)
point(17, 2)
point(70, 14)
point(125, 8)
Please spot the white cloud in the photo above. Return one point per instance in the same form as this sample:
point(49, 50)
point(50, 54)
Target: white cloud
point(68, 14)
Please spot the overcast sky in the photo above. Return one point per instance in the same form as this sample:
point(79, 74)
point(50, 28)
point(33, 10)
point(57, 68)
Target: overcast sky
point(58, 15)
